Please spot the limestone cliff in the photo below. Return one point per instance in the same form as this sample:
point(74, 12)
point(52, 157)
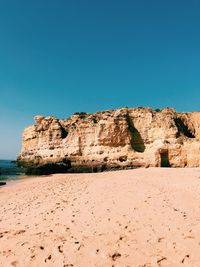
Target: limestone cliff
point(122, 138)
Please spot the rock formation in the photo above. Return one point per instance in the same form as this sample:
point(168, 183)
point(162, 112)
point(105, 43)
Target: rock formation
point(122, 138)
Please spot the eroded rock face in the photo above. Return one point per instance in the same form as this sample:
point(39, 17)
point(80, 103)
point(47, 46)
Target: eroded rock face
point(122, 138)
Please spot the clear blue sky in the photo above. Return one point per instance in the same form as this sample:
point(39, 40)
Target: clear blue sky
point(59, 57)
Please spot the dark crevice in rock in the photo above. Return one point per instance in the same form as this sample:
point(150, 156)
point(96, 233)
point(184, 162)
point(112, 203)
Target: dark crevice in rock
point(137, 142)
point(123, 158)
point(64, 132)
point(183, 128)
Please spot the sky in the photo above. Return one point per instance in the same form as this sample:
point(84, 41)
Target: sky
point(66, 56)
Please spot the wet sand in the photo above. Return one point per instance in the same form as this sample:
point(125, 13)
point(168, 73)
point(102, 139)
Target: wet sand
point(143, 217)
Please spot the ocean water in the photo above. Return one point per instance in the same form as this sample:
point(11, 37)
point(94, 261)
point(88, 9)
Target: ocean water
point(9, 170)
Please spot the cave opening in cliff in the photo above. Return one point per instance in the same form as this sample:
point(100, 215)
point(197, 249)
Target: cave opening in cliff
point(164, 159)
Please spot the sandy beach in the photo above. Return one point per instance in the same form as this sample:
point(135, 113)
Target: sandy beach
point(143, 217)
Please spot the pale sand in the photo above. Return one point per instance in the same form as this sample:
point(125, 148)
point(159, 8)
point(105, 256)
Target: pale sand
point(143, 217)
